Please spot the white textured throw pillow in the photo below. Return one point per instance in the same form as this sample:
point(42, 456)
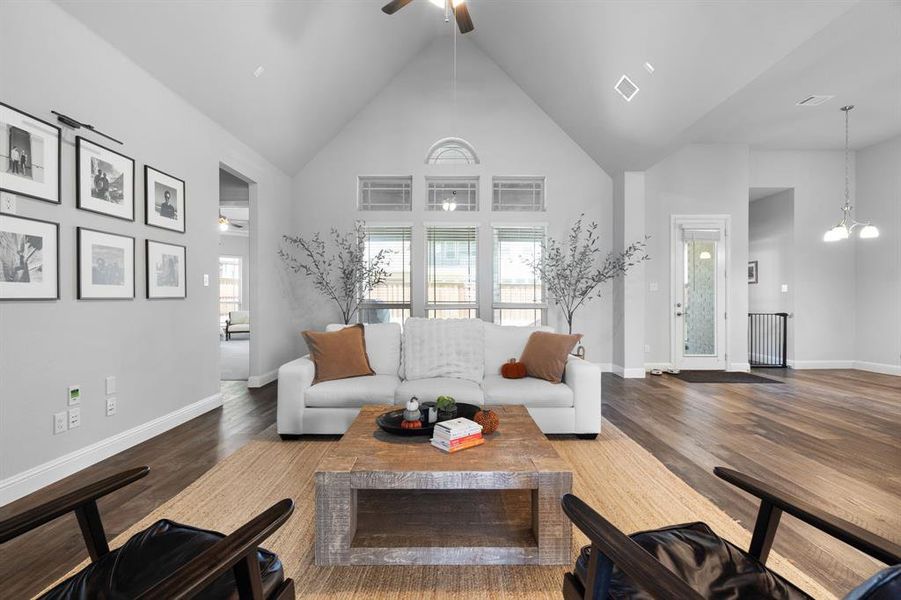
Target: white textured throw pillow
point(443, 348)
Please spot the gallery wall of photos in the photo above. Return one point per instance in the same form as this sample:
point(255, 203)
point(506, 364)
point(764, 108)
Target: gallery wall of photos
point(30, 167)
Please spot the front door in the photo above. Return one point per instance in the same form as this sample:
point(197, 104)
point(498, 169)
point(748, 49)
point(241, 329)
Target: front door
point(699, 294)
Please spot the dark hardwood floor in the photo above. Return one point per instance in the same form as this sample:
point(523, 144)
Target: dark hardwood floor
point(833, 435)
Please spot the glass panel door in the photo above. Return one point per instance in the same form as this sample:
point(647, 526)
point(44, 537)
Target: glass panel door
point(699, 298)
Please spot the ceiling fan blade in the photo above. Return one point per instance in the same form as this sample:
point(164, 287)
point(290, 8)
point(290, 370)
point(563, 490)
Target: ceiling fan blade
point(235, 225)
point(464, 21)
point(394, 6)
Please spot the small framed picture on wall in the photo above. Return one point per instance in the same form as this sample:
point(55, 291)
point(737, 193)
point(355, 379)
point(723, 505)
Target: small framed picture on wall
point(29, 155)
point(166, 271)
point(106, 265)
point(29, 259)
point(104, 180)
point(164, 199)
point(752, 271)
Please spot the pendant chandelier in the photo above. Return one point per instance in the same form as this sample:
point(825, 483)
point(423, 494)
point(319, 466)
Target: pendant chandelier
point(847, 225)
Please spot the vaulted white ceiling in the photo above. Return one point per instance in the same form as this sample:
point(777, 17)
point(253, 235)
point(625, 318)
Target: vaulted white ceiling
point(723, 71)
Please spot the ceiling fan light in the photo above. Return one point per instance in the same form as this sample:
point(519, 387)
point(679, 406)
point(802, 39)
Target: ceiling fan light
point(869, 232)
point(704, 255)
point(839, 232)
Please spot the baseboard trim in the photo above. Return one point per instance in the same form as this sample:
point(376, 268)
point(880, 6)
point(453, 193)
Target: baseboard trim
point(878, 367)
point(822, 364)
point(26, 482)
point(741, 367)
point(663, 366)
point(630, 373)
point(606, 367)
point(258, 381)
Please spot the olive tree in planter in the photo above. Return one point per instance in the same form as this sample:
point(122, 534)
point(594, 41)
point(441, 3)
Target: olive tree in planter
point(573, 271)
point(342, 273)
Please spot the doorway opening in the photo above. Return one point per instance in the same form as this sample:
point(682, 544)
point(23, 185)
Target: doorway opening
point(698, 318)
point(234, 309)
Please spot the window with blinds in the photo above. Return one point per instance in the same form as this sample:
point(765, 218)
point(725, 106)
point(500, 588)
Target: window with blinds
point(519, 297)
point(456, 194)
point(389, 302)
point(229, 286)
point(517, 194)
point(451, 272)
point(385, 193)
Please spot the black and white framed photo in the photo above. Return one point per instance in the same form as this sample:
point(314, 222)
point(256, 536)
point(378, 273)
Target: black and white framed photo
point(164, 197)
point(106, 265)
point(166, 270)
point(104, 180)
point(29, 259)
point(29, 155)
point(752, 271)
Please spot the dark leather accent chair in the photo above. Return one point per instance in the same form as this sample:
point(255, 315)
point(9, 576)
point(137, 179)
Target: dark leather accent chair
point(167, 560)
point(691, 562)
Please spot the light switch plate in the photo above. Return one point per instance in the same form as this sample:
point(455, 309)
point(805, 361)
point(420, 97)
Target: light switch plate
point(60, 422)
point(74, 417)
point(74, 395)
point(206, 280)
point(652, 287)
point(7, 203)
point(784, 288)
point(110, 385)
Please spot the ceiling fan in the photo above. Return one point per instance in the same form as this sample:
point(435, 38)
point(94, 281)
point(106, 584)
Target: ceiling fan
point(461, 12)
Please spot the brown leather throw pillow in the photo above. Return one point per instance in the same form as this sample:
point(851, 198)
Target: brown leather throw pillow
point(545, 354)
point(338, 354)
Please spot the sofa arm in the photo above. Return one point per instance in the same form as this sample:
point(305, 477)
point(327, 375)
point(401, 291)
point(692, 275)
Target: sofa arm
point(293, 380)
point(585, 380)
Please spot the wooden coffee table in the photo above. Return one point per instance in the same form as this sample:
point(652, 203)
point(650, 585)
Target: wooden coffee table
point(388, 500)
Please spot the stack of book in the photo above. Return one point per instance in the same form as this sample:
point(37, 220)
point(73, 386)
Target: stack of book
point(457, 434)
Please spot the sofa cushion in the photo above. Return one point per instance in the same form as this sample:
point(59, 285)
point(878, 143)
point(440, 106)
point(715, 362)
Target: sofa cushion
point(444, 348)
point(527, 391)
point(338, 354)
point(503, 342)
point(428, 390)
point(239, 317)
point(353, 392)
point(545, 354)
point(382, 346)
point(240, 328)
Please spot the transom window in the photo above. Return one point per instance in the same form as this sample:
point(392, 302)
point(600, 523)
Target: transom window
point(389, 302)
point(452, 278)
point(519, 297)
point(518, 194)
point(452, 151)
point(453, 194)
point(385, 193)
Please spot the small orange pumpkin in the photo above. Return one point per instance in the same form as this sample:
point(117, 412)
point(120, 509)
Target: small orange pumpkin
point(410, 424)
point(513, 369)
point(488, 420)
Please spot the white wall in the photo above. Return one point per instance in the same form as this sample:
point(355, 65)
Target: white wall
point(824, 274)
point(878, 261)
point(511, 135)
point(699, 179)
point(163, 353)
point(771, 243)
point(239, 245)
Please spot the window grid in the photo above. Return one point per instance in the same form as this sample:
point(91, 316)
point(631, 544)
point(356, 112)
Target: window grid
point(518, 194)
point(389, 302)
point(229, 286)
point(463, 191)
point(519, 295)
point(452, 277)
point(385, 193)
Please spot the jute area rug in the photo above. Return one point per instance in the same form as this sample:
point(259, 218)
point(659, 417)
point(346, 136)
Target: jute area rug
point(613, 474)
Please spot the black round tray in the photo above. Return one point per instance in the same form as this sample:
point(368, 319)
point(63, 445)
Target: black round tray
point(390, 421)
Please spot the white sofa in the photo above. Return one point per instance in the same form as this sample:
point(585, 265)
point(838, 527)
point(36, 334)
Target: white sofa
point(432, 357)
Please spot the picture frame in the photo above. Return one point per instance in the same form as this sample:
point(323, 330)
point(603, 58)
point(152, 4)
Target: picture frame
point(164, 200)
point(752, 271)
point(29, 259)
point(166, 271)
point(106, 265)
point(30, 156)
point(104, 180)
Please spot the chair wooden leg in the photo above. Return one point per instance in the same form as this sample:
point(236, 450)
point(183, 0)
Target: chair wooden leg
point(248, 579)
point(764, 531)
point(285, 591)
point(600, 572)
point(92, 530)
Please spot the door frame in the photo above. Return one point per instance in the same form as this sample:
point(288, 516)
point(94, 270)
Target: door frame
point(697, 220)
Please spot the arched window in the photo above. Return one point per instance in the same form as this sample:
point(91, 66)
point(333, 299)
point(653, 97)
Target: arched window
point(452, 151)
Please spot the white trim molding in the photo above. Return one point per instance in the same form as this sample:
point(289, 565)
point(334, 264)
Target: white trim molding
point(821, 364)
point(878, 367)
point(741, 366)
point(26, 482)
point(258, 381)
point(630, 373)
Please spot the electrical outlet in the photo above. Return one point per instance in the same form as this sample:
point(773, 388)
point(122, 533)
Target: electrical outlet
point(784, 288)
point(647, 348)
point(74, 417)
point(653, 287)
point(111, 406)
point(60, 422)
point(74, 395)
point(7, 203)
point(110, 385)
point(206, 280)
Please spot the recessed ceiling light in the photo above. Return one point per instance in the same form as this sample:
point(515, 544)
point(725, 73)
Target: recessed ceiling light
point(258, 71)
point(814, 100)
point(626, 88)
point(648, 67)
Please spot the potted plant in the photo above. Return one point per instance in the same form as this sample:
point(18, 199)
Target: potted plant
point(447, 408)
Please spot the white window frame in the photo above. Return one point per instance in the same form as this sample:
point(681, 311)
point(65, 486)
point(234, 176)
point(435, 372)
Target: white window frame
point(240, 260)
point(467, 179)
point(362, 180)
point(368, 303)
point(497, 305)
point(519, 179)
point(474, 304)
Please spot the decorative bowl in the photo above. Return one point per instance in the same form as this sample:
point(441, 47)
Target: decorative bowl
point(390, 421)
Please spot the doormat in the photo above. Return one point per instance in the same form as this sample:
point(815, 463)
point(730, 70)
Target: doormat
point(721, 377)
